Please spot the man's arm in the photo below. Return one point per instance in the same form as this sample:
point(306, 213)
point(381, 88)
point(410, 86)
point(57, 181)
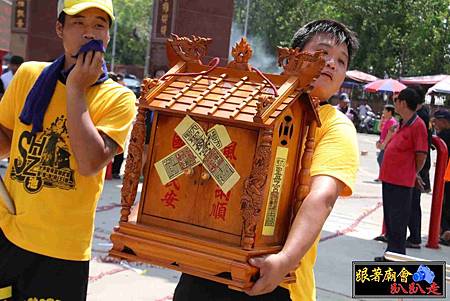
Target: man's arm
point(388, 137)
point(305, 229)
point(5, 141)
point(420, 161)
point(92, 149)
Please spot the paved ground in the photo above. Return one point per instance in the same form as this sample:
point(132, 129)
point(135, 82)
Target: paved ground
point(347, 236)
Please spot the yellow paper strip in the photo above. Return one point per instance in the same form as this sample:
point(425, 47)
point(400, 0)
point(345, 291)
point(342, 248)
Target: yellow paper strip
point(276, 186)
point(174, 165)
point(206, 151)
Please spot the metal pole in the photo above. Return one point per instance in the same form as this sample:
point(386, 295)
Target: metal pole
point(246, 18)
point(114, 45)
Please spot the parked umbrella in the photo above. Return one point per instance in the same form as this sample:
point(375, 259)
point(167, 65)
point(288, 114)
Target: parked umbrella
point(441, 87)
point(385, 85)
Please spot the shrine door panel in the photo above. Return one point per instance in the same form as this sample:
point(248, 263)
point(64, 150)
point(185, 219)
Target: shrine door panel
point(218, 210)
point(176, 199)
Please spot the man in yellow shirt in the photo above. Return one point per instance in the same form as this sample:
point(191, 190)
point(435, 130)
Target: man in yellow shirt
point(60, 124)
point(333, 171)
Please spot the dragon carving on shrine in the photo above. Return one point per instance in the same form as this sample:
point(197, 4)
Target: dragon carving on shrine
point(190, 49)
point(303, 64)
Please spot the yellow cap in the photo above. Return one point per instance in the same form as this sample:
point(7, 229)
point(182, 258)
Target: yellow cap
point(73, 7)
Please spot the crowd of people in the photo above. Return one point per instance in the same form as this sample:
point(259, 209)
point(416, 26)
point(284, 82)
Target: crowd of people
point(404, 160)
point(362, 116)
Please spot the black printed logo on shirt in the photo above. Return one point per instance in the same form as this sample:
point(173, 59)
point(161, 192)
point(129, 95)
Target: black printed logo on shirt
point(44, 159)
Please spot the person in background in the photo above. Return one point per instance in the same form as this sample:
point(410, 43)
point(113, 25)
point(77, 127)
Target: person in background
point(415, 221)
point(5, 61)
point(344, 106)
point(363, 108)
point(388, 125)
point(441, 121)
point(404, 157)
point(424, 113)
point(13, 65)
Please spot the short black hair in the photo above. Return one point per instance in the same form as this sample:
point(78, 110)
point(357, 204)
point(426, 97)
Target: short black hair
point(16, 60)
point(411, 97)
point(339, 31)
point(62, 19)
point(420, 92)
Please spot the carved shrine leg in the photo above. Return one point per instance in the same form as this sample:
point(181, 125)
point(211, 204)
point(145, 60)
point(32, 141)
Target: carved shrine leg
point(133, 165)
point(252, 198)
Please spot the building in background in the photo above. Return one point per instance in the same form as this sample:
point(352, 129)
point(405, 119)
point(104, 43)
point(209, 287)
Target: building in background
point(209, 19)
point(5, 27)
point(28, 28)
point(33, 34)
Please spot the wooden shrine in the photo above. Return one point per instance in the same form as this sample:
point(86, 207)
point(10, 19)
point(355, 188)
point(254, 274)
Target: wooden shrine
point(227, 166)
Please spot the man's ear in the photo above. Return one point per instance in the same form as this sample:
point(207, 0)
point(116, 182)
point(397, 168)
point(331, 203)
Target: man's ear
point(59, 29)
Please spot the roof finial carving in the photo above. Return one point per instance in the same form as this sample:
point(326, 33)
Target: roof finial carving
point(241, 52)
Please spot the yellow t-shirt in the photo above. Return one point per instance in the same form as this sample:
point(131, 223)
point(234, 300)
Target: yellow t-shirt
point(335, 154)
point(55, 205)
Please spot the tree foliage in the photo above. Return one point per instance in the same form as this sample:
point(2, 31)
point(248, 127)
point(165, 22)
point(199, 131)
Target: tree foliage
point(398, 37)
point(133, 19)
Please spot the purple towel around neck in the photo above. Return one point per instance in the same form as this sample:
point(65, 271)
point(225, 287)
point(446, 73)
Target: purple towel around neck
point(41, 93)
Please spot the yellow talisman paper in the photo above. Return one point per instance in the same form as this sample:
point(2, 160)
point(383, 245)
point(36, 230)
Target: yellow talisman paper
point(276, 186)
point(174, 165)
point(205, 149)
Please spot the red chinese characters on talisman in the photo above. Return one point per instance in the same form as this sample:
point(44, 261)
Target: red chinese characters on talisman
point(219, 208)
point(229, 152)
point(170, 198)
point(177, 142)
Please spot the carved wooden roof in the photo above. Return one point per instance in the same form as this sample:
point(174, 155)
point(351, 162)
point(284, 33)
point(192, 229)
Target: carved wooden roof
point(237, 92)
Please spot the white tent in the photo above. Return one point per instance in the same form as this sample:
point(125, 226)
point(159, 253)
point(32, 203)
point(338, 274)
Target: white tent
point(441, 87)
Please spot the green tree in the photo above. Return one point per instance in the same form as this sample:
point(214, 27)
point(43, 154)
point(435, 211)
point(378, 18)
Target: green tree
point(397, 37)
point(401, 37)
point(133, 19)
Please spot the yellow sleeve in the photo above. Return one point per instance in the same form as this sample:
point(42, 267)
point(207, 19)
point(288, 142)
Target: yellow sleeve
point(116, 122)
point(336, 151)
